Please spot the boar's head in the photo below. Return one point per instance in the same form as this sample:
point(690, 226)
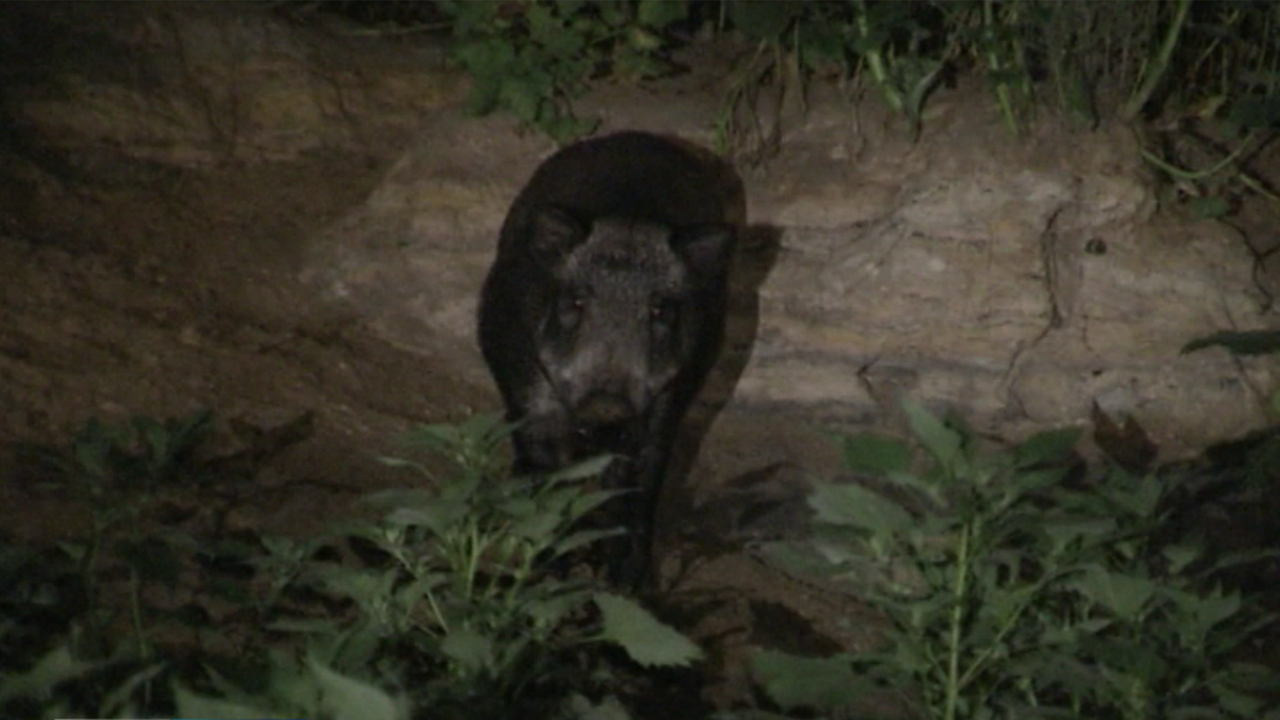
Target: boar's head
point(634, 304)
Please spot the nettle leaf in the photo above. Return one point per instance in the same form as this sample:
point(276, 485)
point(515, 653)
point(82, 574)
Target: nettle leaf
point(468, 648)
point(350, 699)
point(1123, 595)
point(852, 504)
point(1216, 607)
point(913, 482)
point(194, 705)
point(524, 96)
point(1180, 556)
point(612, 12)
point(1138, 496)
point(1065, 531)
point(551, 33)
point(647, 640)
point(550, 611)
point(866, 452)
point(827, 684)
point(586, 502)
point(583, 538)
point(817, 560)
point(1241, 704)
point(658, 14)
point(1056, 669)
point(943, 443)
point(1025, 482)
point(399, 498)
point(1051, 446)
point(583, 470)
point(439, 518)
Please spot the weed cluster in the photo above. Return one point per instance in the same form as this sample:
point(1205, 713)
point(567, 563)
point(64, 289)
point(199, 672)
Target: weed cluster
point(443, 601)
point(1012, 584)
point(1206, 73)
point(1012, 590)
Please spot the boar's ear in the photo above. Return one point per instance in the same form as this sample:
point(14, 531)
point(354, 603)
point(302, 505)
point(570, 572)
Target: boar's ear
point(552, 234)
point(706, 249)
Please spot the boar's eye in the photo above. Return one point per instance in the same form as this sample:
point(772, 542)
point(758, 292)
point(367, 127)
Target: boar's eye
point(569, 308)
point(662, 313)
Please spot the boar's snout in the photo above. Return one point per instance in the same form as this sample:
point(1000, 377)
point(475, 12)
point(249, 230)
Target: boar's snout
point(602, 408)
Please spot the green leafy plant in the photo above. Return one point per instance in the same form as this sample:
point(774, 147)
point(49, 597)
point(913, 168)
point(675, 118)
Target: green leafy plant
point(294, 688)
point(1010, 592)
point(903, 73)
point(459, 597)
point(533, 57)
point(121, 474)
point(81, 619)
point(445, 601)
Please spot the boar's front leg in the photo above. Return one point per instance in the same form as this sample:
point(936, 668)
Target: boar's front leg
point(630, 563)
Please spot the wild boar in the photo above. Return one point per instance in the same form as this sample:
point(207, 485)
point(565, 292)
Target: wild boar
point(604, 311)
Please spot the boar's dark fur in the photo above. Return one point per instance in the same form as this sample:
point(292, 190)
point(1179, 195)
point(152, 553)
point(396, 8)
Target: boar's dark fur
point(604, 311)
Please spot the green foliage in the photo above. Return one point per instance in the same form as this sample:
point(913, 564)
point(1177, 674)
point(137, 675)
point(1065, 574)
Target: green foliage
point(533, 58)
point(1010, 593)
point(447, 593)
point(121, 475)
point(904, 74)
point(307, 689)
point(1210, 70)
point(459, 598)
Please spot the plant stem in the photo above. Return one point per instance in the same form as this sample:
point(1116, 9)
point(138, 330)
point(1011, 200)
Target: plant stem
point(1155, 71)
point(135, 601)
point(996, 67)
point(957, 619)
point(876, 62)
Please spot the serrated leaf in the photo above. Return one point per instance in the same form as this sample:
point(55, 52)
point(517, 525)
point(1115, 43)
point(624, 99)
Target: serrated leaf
point(1180, 556)
point(657, 14)
point(1123, 595)
point(586, 469)
point(827, 684)
point(1063, 531)
point(399, 498)
point(193, 705)
point(943, 443)
point(468, 648)
point(866, 452)
point(311, 626)
point(647, 640)
point(55, 667)
point(1216, 607)
point(1051, 446)
point(119, 697)
point(586, 502)
point(852, 504)
point(350, 699)
point(583, 538)
point(803, 559)
point(549, 611)
point(610, 708)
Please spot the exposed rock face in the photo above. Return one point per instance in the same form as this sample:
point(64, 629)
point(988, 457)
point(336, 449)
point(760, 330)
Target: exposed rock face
point(1020, 280)
point(206, 83)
